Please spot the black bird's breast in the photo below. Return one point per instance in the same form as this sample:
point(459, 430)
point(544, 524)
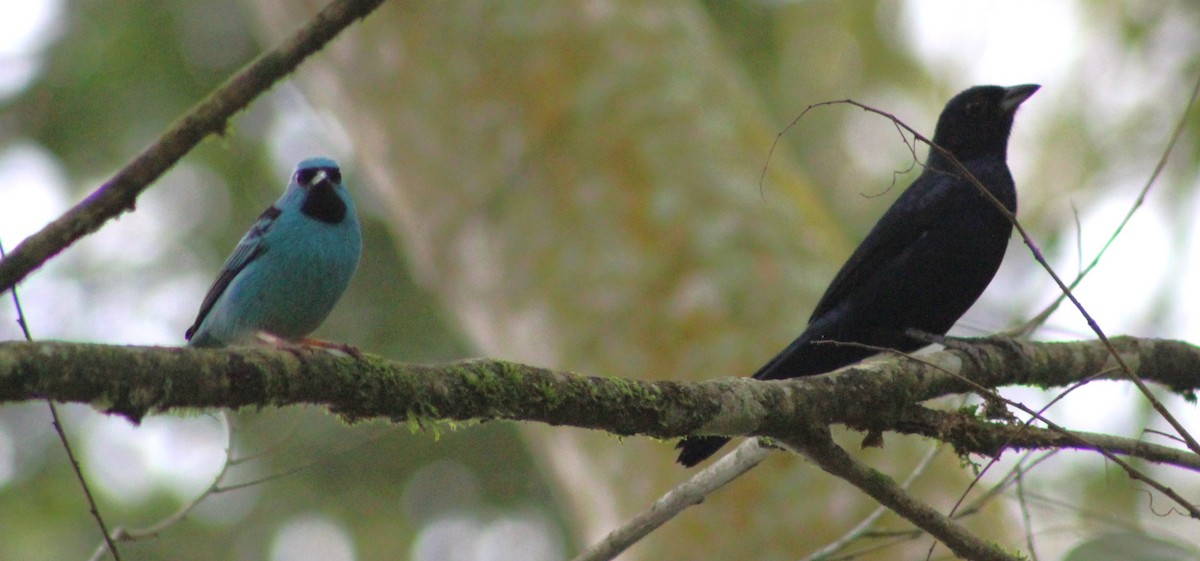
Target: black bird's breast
point(949, 245)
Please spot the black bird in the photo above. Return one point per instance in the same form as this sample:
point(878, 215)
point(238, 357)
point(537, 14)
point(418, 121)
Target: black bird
point(924, 263)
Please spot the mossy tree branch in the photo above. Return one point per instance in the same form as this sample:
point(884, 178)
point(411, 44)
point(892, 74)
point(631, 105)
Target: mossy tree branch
point(816, 443)
point(880, 395)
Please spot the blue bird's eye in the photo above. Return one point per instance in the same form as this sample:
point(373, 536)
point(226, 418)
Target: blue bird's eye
point(305, 177)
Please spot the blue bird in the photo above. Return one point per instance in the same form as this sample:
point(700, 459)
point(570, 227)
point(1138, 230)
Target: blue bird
point(289, 270)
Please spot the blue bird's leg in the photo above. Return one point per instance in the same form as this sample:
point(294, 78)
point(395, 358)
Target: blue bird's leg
point(279, 343)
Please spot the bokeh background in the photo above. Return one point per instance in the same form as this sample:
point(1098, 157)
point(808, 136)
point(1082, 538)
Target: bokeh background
point(577, 185)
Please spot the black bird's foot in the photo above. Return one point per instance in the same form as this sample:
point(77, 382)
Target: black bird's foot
point(873, 439)
point(961, 344)
point(968, 345)
point(955, 343)
point(924, 336)
point(1006, 344)
point(997, 410)
point(973, 347)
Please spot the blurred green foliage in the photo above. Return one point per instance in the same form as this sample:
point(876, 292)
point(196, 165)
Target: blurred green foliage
point(577, 183)
point(120, 74)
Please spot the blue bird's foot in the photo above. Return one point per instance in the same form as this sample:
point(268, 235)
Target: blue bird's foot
point(306, 345)
point(343, 348)
point(277, 342)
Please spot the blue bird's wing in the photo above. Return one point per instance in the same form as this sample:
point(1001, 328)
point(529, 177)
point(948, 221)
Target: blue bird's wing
point(251, 247)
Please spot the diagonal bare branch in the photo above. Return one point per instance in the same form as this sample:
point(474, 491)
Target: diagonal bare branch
point(818, 446)
point(689, 493)
point(119, 194)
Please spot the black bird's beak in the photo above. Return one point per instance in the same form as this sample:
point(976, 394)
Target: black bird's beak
point(1016, 95)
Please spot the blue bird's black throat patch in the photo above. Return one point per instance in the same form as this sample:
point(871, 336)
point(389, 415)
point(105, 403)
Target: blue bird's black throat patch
point(322, 203)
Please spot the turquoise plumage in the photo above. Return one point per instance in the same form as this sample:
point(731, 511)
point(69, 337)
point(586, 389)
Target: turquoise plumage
point(289, 270)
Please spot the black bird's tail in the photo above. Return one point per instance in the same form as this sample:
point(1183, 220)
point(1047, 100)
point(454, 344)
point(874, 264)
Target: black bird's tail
point(696, 449)
point(801, 358)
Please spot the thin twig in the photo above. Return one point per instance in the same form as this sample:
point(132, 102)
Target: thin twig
point(134, 534)
point(1023, 428)
point(1180, 126)
point(691, 492)
point(931, 422)
point(324, 459)
point(896, 537)
point(817, 446)
point(210, 116)
point(87, 491)
point(62, 434)
point(1005, 482)
point(862, 528)
point(1133, 473)
point(1026, 519)
point(216, 487)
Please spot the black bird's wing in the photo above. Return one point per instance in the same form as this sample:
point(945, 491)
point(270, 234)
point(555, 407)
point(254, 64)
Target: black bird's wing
point(894, 246)
point(886, 249)
point(251, 247)
point(894, 242)
point(893, 238)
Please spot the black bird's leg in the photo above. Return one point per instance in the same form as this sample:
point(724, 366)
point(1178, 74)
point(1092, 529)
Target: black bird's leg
point(993, 408)
point(968, 345)
point(962, 344)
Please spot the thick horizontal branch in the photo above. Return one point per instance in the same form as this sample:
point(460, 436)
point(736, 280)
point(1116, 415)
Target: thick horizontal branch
point(879, 395)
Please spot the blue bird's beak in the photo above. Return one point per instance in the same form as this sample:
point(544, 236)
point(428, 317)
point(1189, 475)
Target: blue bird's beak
point(318, 178)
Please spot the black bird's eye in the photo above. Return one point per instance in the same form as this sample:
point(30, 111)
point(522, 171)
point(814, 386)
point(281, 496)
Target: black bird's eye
point(334, 174)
